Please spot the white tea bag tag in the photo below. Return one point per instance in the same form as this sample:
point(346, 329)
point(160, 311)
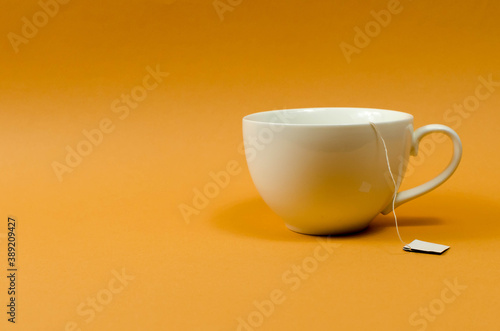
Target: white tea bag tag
point(425, 247)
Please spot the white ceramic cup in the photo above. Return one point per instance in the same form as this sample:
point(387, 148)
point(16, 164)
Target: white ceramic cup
point(324, 170)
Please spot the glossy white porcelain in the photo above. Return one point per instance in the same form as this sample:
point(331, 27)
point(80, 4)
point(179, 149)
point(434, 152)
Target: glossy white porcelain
point(324, 170)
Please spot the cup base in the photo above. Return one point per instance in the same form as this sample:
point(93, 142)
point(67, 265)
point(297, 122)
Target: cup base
point(329, 232)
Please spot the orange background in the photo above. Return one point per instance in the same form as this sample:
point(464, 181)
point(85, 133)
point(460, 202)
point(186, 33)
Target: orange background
point(119, 209)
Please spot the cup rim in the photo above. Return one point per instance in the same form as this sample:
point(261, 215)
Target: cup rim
point(405, 116)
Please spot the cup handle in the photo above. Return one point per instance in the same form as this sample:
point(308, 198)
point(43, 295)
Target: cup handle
point(415, 192)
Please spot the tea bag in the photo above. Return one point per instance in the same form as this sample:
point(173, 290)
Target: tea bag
point(417, 246)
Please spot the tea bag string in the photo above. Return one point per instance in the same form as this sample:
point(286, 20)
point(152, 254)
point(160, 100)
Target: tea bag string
point(396, 187)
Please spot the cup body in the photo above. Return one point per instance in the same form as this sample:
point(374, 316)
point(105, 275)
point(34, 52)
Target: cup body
point(324, 170)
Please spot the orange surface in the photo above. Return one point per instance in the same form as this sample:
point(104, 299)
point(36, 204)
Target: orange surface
point(116, 209)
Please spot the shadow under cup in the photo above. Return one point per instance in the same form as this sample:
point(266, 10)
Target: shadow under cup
point(324, 170)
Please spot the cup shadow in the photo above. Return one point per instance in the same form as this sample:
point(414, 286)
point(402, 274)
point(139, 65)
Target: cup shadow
point(381, 222)
point(253, 218)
